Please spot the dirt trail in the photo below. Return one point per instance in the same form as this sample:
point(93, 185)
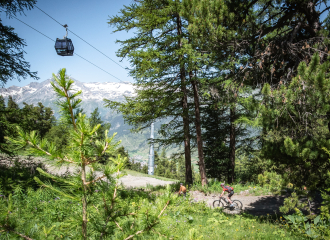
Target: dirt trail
point(255, 205)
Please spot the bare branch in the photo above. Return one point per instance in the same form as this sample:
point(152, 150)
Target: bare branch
point(95, 180)
point(21, 235)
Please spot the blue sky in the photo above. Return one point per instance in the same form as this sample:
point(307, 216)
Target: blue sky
point(87, 19)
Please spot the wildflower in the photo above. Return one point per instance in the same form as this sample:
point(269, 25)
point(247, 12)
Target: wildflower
point(200, 225)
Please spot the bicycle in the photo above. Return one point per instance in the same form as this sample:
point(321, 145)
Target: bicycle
point(223, 203)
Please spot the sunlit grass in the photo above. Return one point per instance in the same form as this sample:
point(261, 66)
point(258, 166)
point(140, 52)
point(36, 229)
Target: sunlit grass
point(139, 174)
point(245, 189)
point(196, 221)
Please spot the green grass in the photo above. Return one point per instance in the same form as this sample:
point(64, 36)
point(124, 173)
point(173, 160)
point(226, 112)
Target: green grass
point(42, 215)
point(139, 174)
point(186, 220)
point(246, 189)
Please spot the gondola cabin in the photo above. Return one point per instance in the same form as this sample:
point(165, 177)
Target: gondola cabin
point(64, 47)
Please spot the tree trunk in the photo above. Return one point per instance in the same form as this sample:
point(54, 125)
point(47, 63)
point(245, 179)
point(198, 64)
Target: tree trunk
point(232, 145)
point(185, 116)
point(201, 163)
point(84, 203)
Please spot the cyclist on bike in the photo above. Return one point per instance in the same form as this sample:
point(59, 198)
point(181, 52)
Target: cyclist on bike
point(182, 190)
point(230, 191)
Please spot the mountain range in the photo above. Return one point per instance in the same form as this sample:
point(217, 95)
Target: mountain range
point(92, 97)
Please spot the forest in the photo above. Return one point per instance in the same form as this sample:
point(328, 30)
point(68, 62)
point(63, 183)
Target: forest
point(241, 86)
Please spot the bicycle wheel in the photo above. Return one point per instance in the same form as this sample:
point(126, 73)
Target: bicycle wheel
point(238, 205)
point(218, 204)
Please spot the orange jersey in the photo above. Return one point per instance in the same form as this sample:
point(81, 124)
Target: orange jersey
point(182, 189)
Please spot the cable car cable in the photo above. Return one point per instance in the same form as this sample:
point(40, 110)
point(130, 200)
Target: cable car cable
point(33, 28)
point(98, 67)
point(81, 38)
point(74, 53)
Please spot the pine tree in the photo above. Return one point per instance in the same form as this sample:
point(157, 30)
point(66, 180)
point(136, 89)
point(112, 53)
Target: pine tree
point(84, 149)
point(157, 84)
point(295, 119)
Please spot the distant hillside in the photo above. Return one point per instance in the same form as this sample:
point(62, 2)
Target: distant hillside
point(92, 97)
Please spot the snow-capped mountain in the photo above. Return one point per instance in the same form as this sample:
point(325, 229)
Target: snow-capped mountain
point(92, 96)
point(42, 91)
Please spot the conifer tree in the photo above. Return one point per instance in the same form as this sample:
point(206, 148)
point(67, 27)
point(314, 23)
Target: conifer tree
point(84, 150)
point(160, 68)
point(294, 116)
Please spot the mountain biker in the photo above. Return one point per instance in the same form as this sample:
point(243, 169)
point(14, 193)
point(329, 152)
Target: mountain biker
point(182, 189)
point(230, 191)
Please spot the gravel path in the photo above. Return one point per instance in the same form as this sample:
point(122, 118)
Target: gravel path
point(133, 181)
point(128, 180)
point(255, 205)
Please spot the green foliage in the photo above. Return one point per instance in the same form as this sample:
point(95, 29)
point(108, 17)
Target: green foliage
point(85, 150)
point(95, 119)
point(295, 125)
point(42, 214)
point(249, 188)
point(59, 135)
point(190, 220)
point(317, 228)
point(272, 181)
point(171, 168)
point(30, 118)
point(11, 51)
point(18, 173)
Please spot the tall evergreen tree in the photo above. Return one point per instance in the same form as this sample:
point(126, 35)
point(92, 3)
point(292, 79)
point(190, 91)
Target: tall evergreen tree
point(295, 119)
point(159, 68)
